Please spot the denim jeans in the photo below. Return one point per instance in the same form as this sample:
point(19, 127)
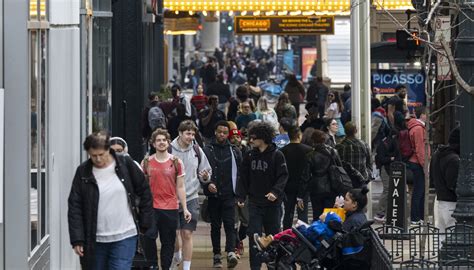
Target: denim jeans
point(115, 255)
point(418, 197)
point(222, 212)
point(383, 201)
point(266, 217)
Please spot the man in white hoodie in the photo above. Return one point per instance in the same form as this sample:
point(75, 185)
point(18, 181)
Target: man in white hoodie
point(197, 169)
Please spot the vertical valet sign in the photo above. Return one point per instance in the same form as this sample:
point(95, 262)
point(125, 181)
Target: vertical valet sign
point(397, 198)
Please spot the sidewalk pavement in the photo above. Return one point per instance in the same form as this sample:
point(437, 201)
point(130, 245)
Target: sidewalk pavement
point(202, 251)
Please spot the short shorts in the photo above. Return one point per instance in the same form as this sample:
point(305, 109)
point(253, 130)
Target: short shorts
point(193, 207)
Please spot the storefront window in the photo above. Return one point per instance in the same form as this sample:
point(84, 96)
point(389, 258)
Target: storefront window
point(34, 137)
point(102, 5)
point(102, 74)
point(38, 137)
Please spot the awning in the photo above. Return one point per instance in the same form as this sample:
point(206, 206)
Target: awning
point(278, 5)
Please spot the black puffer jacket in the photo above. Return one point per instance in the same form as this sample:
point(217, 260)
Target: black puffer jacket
point(315, 177)
point(222, 177)
point(444, 168)
point(83, 203)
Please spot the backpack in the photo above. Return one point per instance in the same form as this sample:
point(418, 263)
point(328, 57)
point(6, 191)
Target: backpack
point(340, 181)
point(405, 145)
point(146, 161)
point(382, 132)
point(156, 118)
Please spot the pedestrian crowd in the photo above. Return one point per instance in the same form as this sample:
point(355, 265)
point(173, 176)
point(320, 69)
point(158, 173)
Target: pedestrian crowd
point(254, 164)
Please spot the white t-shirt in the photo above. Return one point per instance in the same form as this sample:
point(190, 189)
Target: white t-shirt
point(114, 217)
point(333, 107)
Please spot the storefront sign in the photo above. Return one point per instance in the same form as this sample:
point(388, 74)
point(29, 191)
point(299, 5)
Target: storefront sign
point(385, 81)
point(397, 199)
point(284, 25)
point(442, 26)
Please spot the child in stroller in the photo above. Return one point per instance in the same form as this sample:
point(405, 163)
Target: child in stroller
point(325, 243)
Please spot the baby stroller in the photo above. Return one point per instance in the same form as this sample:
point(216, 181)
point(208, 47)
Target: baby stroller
point(341, 252)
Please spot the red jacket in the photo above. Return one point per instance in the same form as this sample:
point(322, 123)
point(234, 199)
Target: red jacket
point(417, 139)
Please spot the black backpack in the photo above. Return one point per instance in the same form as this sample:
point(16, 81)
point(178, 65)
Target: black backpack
point(340, 180)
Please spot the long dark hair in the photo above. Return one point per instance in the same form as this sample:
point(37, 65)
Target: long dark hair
point(292, 81)
point(338, 100)
point(282, 100)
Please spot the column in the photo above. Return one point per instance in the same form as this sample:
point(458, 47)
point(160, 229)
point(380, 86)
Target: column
point(210, 34)
point(465, 63)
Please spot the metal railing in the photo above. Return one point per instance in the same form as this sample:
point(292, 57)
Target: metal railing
point(424, 247)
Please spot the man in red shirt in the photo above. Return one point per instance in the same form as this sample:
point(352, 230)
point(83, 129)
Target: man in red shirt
point(166, 178)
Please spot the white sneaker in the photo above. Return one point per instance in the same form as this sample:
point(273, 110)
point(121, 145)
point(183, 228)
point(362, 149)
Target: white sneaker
point(176, 262)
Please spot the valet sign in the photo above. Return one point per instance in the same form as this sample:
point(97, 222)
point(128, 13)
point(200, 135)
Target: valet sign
point(385, 81)
point(397, 199)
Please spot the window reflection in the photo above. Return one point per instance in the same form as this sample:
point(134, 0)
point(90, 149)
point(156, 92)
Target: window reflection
point(34, 137)
point(102, 74)
point(42, 177)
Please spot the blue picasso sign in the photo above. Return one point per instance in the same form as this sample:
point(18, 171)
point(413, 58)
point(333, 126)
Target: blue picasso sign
point(385, 81)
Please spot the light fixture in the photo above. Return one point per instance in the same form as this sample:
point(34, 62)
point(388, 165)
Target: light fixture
point(277, 5)
point(231, 13)
point(243, 13)
point(204, 13)
point(270, 13)
point(256, 13)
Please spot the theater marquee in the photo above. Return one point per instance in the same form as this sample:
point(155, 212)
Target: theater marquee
point(284, 25)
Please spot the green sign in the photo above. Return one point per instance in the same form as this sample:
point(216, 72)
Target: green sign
point(284, 25)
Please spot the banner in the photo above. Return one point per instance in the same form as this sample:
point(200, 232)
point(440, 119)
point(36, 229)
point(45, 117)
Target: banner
point(308, 58)
point(284, 25)
point(385, 81)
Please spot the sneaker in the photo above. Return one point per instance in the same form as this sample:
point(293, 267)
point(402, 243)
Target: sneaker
point(239, 250)
point(262, 242)
point(232, 260)
point(380, 217)
point(217, 261)
point(175, 263)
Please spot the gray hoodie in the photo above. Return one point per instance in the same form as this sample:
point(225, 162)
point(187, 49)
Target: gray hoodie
point(190, 161)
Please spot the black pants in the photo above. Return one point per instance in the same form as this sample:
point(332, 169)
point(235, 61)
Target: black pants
point(297, 108)
point(165, 224)
point(319, 202)
point(266, 217)
point(222, 211)
point(290, 204)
